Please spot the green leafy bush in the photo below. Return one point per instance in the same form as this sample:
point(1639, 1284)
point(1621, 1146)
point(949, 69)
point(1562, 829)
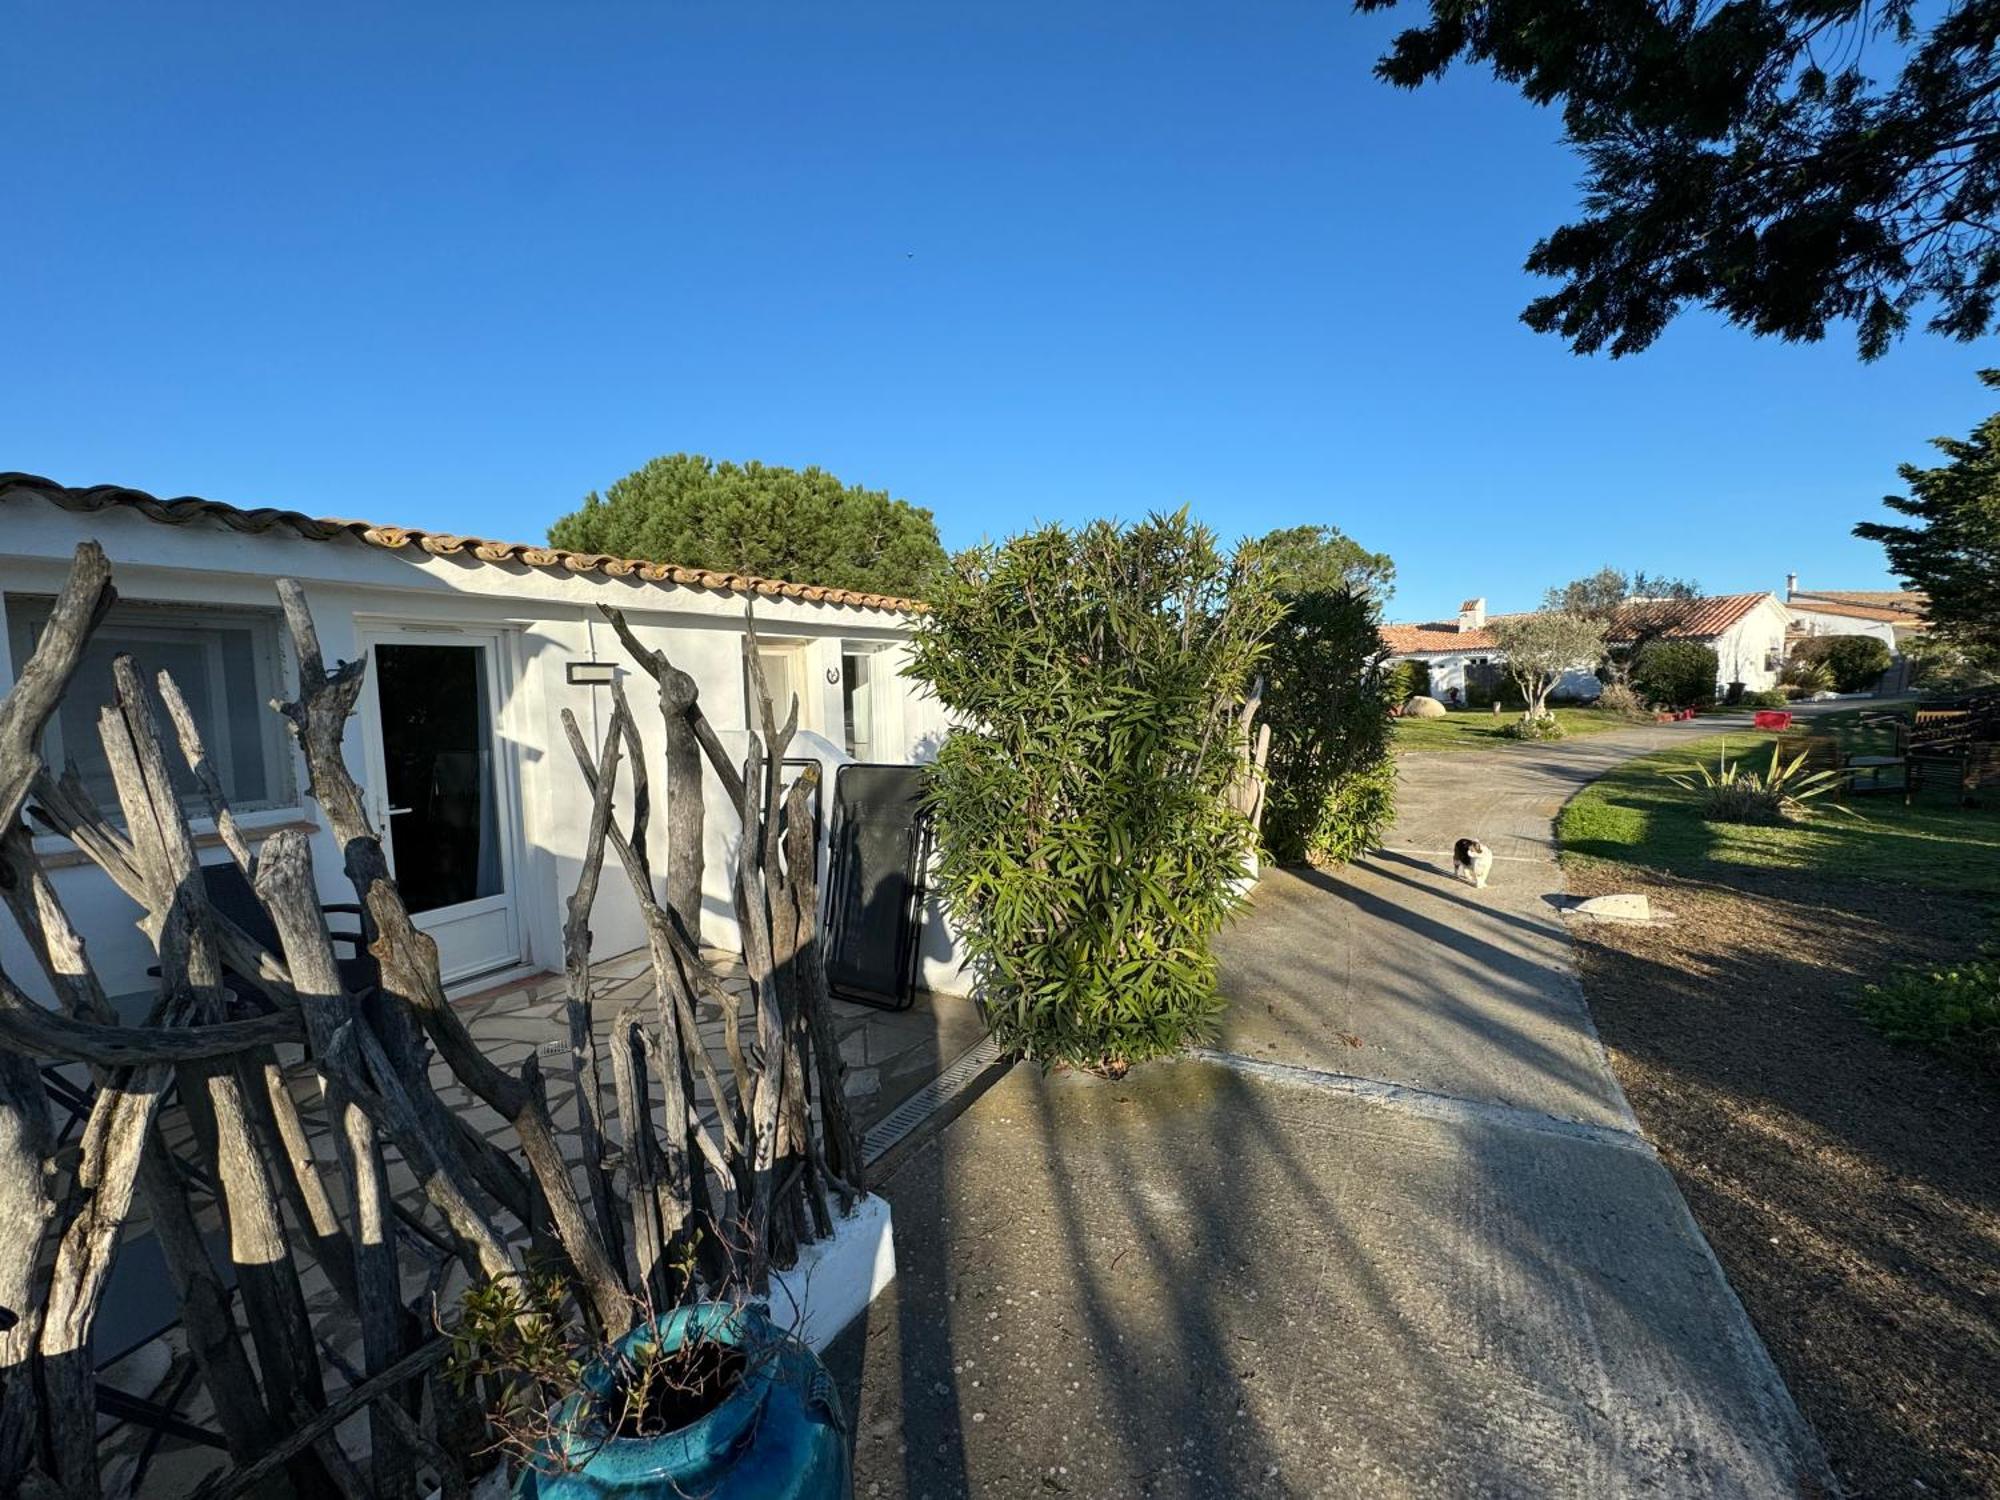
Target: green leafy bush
point(1766, 698)
point(1328, 707)
point(1856, 661)
point(1535, 727)
point(1952, 1010)
point(1087, 846)
point(1677, 674)
point(1782, 793)
point(1353, 814)
point(1404, 680)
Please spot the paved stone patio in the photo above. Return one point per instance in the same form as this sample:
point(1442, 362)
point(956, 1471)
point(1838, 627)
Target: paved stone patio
point(888, 1055)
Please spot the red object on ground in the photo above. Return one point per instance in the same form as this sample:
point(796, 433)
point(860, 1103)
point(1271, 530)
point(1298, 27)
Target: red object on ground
point(1772, 718)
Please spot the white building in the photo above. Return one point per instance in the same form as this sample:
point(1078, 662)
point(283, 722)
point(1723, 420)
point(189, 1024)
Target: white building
point(458, 737)
point(1746, 632)
point(1890, 616)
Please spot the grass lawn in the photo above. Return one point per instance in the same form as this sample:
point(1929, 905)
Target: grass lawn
point(1479, 729)
point(1635, 815)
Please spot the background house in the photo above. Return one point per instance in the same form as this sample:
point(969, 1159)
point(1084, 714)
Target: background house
point(459, 736)
point(1746, 632)
point(1891, 616)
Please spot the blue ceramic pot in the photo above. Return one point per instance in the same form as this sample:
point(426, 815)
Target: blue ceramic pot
point(780, 1435)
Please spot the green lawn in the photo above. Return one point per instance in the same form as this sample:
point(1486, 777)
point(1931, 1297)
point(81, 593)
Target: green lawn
point(1479, 729)
point(1636, 815)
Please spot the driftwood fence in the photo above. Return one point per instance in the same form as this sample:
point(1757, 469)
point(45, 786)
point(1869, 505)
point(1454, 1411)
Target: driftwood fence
point(725, 1164)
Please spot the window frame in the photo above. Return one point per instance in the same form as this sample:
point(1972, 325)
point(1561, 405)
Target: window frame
point(187, 624)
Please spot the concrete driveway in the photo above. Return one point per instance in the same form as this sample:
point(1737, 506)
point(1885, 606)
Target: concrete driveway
point(1438, 1263)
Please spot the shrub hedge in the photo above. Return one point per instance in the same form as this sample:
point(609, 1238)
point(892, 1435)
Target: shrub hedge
point(1678, 674)
point(1087, 847)
point(1330, 783)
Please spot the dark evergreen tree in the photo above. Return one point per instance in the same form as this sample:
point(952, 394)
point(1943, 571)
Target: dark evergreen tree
point(803, 525)
point(1789, 163)
point(1953, 552)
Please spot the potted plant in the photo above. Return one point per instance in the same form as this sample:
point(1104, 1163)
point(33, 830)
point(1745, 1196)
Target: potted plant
point(711, 1399)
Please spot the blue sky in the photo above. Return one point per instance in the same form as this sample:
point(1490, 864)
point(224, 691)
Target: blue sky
point(453, 265)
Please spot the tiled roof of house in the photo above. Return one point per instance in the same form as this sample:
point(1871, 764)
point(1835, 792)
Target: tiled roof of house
point(1892, 606)
point(1675, 619)
point(1684, 619)
point(1437, 635)
point(187, 508)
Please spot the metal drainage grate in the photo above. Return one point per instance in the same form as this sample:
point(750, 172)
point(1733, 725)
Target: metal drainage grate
point(926, 1101)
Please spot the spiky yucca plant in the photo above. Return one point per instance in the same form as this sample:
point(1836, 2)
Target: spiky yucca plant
point(1784, 792)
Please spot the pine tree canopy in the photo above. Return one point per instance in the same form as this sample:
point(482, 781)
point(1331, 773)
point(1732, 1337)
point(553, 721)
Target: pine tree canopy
point(1788, 164)
point(1953, 552)
point(802, 525)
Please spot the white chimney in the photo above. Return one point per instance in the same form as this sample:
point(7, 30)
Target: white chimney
point(1472, 615)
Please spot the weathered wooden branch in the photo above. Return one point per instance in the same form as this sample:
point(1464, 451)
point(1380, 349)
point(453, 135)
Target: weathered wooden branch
point(114, 1139)
point(213, 1090)
point(408, 957)
point(25, 1208)
point(241, 1481)
point(205, 775)
point(44, 677)
point(285, 885)
point(576, 973)
point(205, 1304)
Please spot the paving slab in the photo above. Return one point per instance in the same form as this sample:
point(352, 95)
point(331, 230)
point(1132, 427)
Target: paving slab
point(1199, 1282)
point(1391, 969)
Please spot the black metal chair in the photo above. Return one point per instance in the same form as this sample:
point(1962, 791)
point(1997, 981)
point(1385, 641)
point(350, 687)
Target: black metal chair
point(231, 894)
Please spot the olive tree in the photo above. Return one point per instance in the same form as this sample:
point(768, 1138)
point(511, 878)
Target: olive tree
point(1542, 647)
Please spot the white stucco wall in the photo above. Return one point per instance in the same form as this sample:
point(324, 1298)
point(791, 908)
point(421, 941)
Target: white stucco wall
point(1816, 623)
point(1752, 650)
point(547, 620)
point(1448, 672)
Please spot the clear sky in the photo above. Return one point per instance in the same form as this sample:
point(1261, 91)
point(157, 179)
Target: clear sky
point(453, 265)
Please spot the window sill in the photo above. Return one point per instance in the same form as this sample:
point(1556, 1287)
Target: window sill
point(61, 854)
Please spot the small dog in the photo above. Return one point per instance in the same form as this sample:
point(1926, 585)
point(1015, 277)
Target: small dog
point(1471, 860)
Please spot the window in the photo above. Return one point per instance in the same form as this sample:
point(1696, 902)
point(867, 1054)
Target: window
point(857, 704)
point(225, 663)
point(785, 677)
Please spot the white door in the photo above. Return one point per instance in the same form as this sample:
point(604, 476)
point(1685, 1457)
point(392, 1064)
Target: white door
point(442, 789)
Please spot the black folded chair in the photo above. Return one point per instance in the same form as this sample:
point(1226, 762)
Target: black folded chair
point(231, 895)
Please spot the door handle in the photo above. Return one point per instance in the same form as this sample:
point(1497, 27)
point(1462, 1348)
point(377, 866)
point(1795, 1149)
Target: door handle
point(397, 812)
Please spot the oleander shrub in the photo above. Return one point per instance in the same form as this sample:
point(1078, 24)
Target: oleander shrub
point(1404, 680)
point(1955, 1010)
point(1330, 784)
point(1675, 674)
point(1087, 846)
point(1359, 805)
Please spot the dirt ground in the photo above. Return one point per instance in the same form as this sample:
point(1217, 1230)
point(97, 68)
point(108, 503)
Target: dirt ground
point(1850, 1185)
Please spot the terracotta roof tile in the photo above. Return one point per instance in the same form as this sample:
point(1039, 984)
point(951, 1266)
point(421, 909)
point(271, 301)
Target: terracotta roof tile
point(1892, 607)
point(1683, 619)
point(1437, 635)
point(179, 512)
